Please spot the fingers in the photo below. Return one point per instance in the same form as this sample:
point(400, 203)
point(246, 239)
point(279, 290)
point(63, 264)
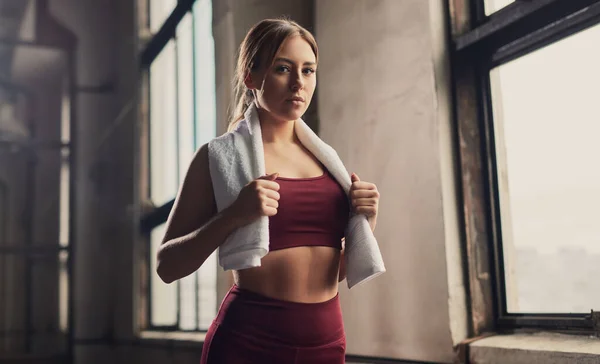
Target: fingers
point(354, 194)
point(268, 181)
point(366, 206)
point(272, 194)
point(269, 211)
point(364, 197)
point(364, 202)
point(363, 186)
point(269, 195)
point(357, 184)
point(267, 184)
point(260, 197)
point(270, 177)
point(269, 202)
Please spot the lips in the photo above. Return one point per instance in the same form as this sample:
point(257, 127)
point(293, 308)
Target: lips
point(296, 98)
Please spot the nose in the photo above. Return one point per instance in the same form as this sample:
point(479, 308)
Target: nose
point(296, 83)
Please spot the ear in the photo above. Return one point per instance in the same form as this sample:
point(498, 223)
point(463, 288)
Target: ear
point(248, 81)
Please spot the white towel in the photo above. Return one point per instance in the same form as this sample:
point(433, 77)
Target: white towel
point(237, 157)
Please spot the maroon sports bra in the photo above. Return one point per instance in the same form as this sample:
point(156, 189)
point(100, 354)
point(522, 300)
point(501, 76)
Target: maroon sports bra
point(312, 212)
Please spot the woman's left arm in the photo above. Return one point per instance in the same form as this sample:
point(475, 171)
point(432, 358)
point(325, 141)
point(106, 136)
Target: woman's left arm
point(365, 199)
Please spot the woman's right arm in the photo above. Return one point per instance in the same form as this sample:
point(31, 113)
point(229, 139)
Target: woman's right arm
point(195, 229)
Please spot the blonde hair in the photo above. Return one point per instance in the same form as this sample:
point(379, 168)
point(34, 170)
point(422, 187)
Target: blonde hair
point(259, 48)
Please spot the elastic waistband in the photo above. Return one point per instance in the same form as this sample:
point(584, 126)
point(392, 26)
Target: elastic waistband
point(246, 294)
point(293, 323)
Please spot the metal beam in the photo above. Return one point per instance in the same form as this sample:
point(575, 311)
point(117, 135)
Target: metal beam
point(559, 29)
point(516, 21)
point(156, 217)
point(165, 33)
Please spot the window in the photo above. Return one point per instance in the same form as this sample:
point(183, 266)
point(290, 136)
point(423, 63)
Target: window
point(182, 117)
point(545, 128)
point(526, 82)
point(164, 176)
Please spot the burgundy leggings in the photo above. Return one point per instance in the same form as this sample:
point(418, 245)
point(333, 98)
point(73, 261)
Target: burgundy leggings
point(253, 329)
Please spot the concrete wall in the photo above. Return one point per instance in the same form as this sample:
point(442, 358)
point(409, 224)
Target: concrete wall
point(384, 108)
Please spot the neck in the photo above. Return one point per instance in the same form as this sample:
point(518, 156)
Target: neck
point(276, 131)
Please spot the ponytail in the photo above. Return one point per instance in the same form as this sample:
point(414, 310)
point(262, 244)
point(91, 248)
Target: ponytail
point(244, 97)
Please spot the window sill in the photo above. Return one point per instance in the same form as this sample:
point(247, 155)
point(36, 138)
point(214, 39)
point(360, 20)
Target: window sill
point(547, 348)
point(173, 338)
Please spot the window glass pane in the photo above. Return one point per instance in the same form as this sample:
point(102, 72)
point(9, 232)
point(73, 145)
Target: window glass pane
point(187, 304)
point(546, 127)
point(65, 114)
point(185, 75)
point(206, 123)
point(206, 116)
point(164, 296)
point(491, 6)
point(207, 292)
point(159, 12)
point(63, 291)
point(64, 211)
point(63, 240)
point(163, 127)
point(65, 131)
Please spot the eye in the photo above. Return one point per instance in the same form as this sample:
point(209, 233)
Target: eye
point(282, 69)
point(309, 71)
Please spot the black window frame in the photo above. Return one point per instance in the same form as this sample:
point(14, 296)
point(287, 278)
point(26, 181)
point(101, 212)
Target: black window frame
point(480, 43)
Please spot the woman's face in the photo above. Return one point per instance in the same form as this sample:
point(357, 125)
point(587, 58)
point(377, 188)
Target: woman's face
point(285, 89)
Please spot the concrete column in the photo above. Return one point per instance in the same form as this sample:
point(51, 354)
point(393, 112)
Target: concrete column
point(384, 106)
point(106, 71)
point(30, 282)
point(46, 212)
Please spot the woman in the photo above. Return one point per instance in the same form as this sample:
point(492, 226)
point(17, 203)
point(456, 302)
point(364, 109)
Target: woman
point(287, 310)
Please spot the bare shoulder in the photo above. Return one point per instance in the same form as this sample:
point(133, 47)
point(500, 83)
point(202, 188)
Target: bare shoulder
point(199, 165)
point(195, 202)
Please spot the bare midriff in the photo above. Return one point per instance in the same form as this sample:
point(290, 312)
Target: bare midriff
point(307, 274)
